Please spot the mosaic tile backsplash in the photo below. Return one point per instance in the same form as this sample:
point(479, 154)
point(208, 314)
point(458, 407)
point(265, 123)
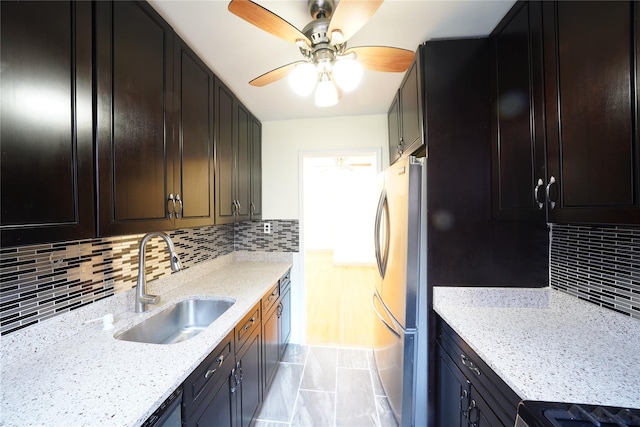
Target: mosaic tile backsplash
point(600, 265)
point(41, 281)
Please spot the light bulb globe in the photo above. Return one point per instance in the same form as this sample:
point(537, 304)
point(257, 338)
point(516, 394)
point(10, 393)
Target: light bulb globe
point(303, 78)
point(347, 73)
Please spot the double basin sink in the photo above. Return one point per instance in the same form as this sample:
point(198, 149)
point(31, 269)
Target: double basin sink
point(180, 322)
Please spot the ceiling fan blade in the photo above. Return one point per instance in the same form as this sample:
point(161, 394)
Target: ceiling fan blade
point(350, 16)
point(266, 20)
point(383, 58)
point(274, 75)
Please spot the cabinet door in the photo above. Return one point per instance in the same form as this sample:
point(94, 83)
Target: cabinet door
point(134, 72)
point(249, 392)
point(393, 123)
point(256, 169)
point(220, 411)
point(517, 132)
point(224, 146)
point(411, 109)
point(193, 139)
point(453, 393)
point(242, 151)
point(590, 50)
point(480, 413)
point(285, 321)
point(270, 345)
point(46, 122)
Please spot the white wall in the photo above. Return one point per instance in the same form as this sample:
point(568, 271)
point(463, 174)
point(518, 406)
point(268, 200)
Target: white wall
point(283, 141)
point(282, 144)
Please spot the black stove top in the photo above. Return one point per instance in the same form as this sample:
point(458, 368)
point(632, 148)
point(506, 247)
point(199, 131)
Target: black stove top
point(552, 414)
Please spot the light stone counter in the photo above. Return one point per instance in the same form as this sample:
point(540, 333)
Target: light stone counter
point(547, 345)
point(66, 372)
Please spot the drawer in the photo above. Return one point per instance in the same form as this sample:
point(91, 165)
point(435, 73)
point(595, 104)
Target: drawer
point(269, 300)
point(216, 366)
point(246, 326)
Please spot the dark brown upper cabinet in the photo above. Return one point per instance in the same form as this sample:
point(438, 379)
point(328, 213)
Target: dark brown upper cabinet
point(237, 134)
point(591, 74)
point(517, 120)
point(255, 204)
point(193, 139)
point(134, 80)
point(405, 115)
point(154, 122)
point(46, 122)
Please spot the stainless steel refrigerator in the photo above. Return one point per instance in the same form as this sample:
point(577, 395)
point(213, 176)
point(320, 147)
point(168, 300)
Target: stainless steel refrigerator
point(400, 300)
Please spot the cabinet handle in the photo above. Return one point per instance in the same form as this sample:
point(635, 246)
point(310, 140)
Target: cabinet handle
point(535, 194)
point(280, 310)
point(210, 372)
point(234, 208)
point(180, 206)
point(233, 386)
point(239, 207)
point(464, 406)
point(399, 147)
point(249, 324)
point(469, 364)
point(474, 407)
point(171, 205)
point(237, 375)
point(552, 181)
point(253, 208)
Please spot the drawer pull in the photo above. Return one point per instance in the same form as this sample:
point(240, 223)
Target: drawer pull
point(249, 324)
point(210, 372)
point(469, 364)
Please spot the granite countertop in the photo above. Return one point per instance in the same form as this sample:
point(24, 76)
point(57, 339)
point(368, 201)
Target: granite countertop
point(67, 372)
point(547, 345)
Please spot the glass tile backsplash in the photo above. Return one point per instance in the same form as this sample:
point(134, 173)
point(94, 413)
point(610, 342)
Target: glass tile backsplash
point(40, 281)
point(600, 265)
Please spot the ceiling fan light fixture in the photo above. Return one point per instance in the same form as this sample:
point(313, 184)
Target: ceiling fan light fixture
point(347, 73)
point(337, 37)
point(326, 92)
point(303, 78)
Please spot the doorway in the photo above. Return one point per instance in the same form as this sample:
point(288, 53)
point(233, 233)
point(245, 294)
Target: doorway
point(340, 192)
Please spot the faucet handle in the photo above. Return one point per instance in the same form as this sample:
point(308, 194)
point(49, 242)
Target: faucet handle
point(150, 299)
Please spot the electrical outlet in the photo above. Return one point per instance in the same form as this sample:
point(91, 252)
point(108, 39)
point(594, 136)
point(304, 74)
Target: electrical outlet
point(267, 228)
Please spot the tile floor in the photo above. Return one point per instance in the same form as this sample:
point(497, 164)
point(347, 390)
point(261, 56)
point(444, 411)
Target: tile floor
point(318, 386)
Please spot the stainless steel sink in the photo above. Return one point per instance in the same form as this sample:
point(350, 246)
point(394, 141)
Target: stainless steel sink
point(179, 322)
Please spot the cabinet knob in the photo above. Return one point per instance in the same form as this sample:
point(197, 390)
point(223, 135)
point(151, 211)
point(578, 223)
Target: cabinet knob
point(552, 181)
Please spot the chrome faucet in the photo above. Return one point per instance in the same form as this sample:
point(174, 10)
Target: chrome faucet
point(142, 299)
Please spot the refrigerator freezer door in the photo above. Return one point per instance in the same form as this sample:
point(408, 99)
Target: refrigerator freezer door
point(393, 350)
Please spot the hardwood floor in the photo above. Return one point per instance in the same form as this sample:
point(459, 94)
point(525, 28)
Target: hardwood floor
point(343, 291)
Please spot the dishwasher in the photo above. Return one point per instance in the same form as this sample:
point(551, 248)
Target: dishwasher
point(169, 414)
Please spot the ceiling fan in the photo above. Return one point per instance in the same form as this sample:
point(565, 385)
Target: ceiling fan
point(323, 45)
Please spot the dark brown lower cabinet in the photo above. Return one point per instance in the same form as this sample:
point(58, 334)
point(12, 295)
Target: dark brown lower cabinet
point(246, 376)
point(469, 393)
point(207, 393)
point(271, 345)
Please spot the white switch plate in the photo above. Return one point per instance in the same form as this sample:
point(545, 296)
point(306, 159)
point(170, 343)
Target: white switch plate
point(267, 228)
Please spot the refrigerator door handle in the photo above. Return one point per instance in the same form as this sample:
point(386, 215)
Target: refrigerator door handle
point(382, 253)
point(382, 319)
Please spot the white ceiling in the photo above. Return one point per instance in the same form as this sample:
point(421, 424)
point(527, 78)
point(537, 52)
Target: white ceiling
point(237, 52)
